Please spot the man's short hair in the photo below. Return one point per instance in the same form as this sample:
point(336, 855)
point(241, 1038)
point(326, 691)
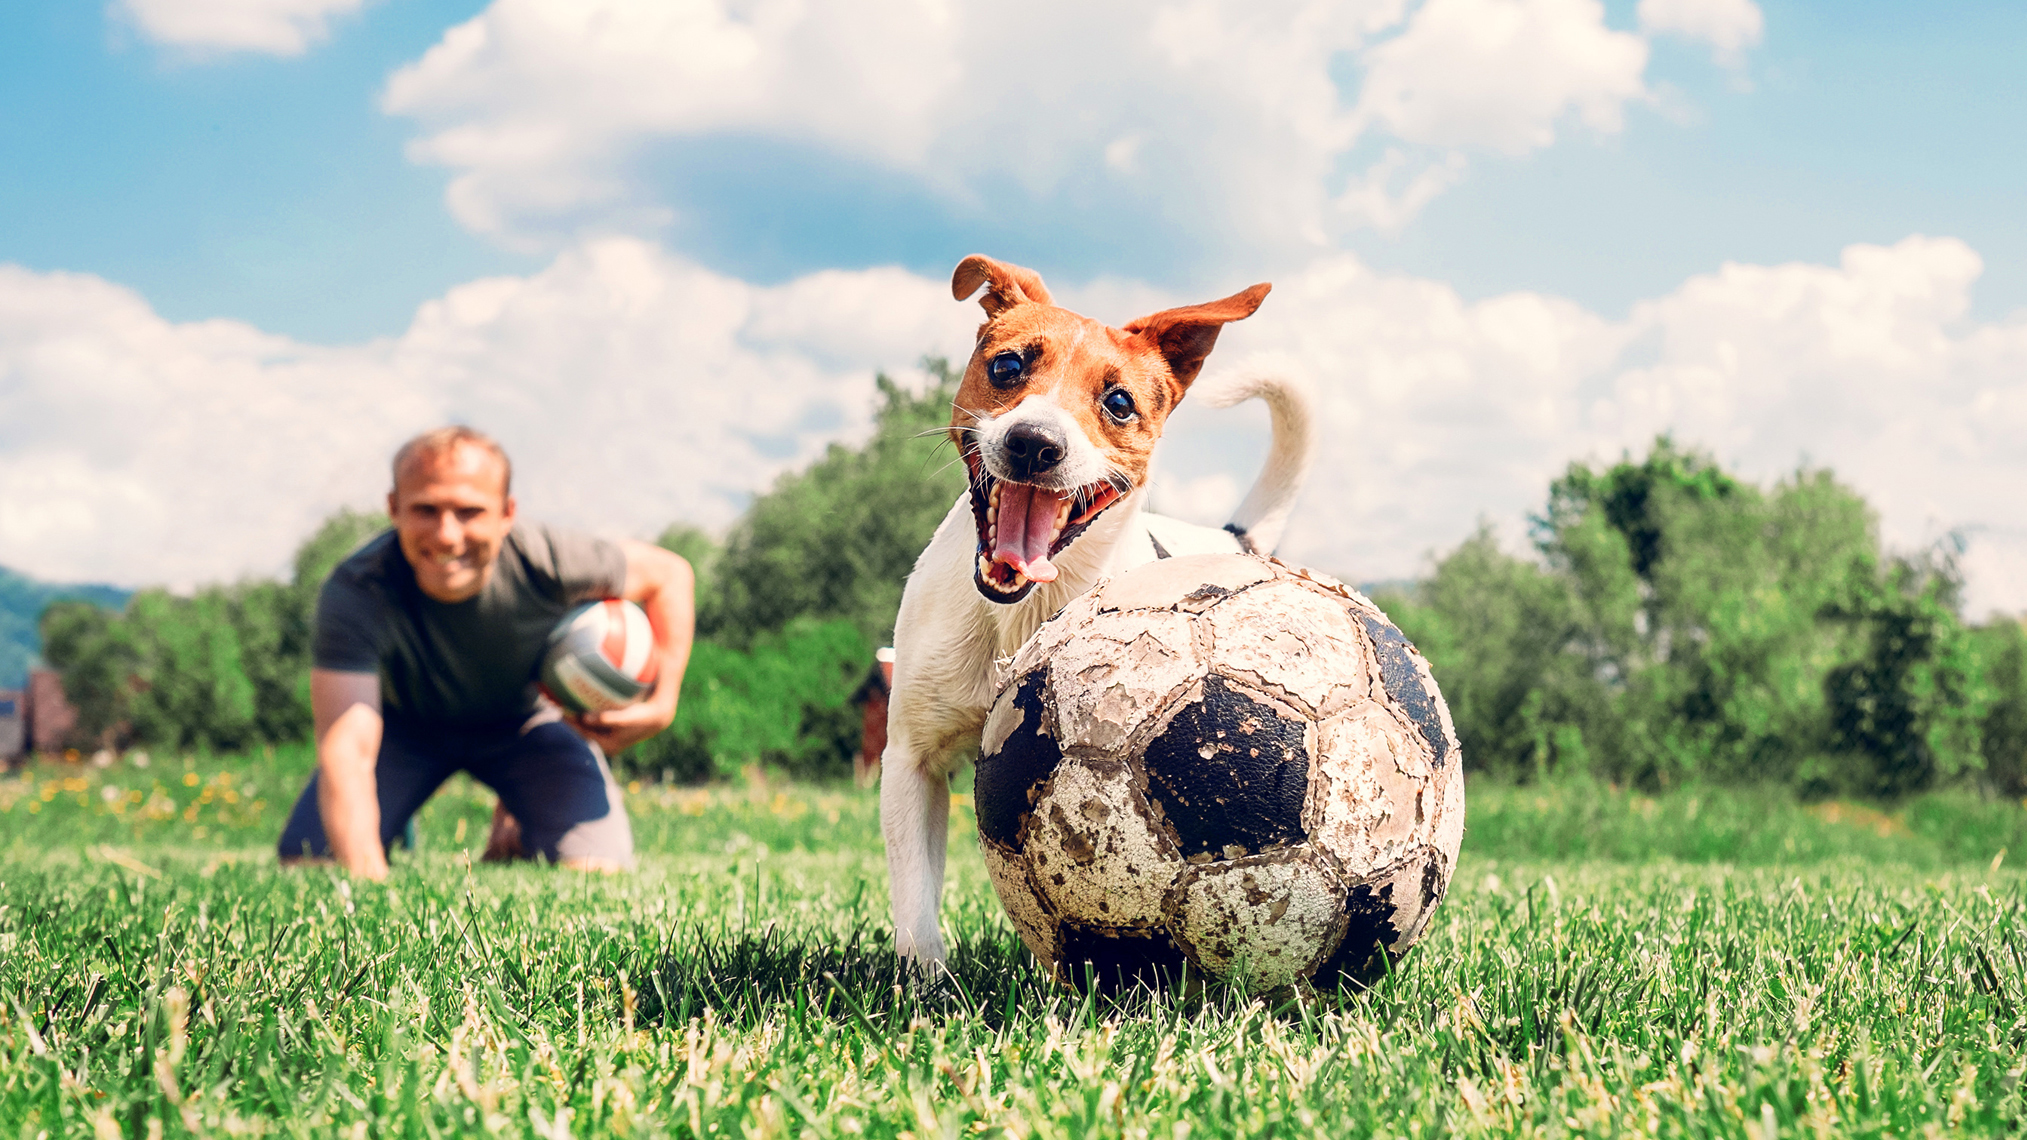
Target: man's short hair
point(444, 440)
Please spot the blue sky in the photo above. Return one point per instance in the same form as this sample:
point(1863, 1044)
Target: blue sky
point(320, 187)
point(275, 191)
point(262, 189)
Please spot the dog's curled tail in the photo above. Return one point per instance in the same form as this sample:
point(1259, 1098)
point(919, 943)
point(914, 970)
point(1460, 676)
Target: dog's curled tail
point(1262, 518)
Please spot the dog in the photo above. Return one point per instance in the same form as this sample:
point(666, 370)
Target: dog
point(1056, 421)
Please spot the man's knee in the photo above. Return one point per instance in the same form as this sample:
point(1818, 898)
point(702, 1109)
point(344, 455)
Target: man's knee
point(603, 844)
point(562, 795)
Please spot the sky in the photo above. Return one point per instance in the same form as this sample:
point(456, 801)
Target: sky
point(661, 247)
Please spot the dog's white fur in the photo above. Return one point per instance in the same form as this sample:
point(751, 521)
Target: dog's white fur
point(948, 636)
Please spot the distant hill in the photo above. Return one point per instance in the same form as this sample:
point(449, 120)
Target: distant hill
point(21, 602)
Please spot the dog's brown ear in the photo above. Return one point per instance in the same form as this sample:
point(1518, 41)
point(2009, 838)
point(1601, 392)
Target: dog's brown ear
point(1005, 285)
point(1185, 336)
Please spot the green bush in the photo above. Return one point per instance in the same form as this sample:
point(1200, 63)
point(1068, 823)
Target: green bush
point(1681, 625)
point(225, 668)
point(784, 701)
point(2001, 648)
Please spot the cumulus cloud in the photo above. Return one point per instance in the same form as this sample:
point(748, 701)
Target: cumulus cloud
point(632, 387)
point(1501, 74)
point(273, 27)
point(1728, 26)
point(1440, 412)
point(635, 388)
point(1216, 111)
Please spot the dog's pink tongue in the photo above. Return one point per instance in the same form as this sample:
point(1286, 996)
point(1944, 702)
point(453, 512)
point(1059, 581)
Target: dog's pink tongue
point(1027, 522)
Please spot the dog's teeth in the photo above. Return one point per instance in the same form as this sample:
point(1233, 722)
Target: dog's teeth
point(994, 499)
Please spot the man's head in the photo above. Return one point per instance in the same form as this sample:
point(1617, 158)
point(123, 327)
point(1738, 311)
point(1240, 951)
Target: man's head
point(452, 506)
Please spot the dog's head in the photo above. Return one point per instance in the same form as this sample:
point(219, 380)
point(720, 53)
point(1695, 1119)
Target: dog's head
point(1058, 414)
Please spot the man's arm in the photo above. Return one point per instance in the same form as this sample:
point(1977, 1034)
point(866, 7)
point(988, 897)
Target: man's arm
point(346, 707)
point(663, 585)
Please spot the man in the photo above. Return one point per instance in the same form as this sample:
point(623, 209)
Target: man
point(427, 642)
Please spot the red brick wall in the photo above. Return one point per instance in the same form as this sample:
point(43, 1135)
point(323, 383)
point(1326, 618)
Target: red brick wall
point(51, 720)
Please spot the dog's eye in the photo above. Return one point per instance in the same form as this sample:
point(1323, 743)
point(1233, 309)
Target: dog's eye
point(1005, 369)
point(1119, 404)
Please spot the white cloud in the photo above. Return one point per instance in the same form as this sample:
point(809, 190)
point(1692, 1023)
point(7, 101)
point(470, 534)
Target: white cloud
point(635, 388)
point(1371, 199)
point(1728, 26)
point(1226, 114)
point(1441, 412)
point(274, 27)
point(1501, 74)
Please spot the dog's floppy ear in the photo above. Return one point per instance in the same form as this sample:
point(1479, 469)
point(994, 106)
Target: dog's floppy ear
point(1005, 285)
point(1185, 336)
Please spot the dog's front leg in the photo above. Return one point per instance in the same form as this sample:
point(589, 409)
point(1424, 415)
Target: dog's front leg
point(915, 820)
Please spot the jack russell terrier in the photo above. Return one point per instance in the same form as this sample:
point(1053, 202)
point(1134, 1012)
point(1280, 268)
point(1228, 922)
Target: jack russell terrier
point(1056, 420)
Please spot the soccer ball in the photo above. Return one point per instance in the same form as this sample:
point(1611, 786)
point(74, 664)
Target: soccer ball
point(601, 656)
point(1219, 762)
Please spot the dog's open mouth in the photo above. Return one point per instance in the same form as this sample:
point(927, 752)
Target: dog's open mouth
point(1022, 526)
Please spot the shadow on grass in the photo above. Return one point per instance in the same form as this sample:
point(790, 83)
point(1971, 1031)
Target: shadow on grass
point(747, 979)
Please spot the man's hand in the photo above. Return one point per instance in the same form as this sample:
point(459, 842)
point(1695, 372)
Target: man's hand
point(623, 728)
point(664, 587)
point(346, 708)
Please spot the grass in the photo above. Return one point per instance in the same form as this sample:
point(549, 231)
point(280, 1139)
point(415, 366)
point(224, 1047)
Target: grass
point(1708, 963)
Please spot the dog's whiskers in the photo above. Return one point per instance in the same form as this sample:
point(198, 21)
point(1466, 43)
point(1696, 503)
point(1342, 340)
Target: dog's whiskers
point(974, 413)
point(947, 466)
point(963, 453)
point(943, 431)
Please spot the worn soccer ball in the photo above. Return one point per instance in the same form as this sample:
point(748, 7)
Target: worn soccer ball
point(600, 657)
point(1219, 765)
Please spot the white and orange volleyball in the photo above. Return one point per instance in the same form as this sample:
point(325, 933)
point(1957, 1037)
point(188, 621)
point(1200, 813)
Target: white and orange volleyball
point(601, 656)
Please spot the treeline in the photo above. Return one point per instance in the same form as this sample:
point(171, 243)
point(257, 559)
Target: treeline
point(1679, 624)
point(22, 600)
point(790, 607)
point(1673, 624)
point(805, 586)
point(224, 668)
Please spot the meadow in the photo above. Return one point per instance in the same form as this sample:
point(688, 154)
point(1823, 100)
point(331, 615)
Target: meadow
point(1707, 962)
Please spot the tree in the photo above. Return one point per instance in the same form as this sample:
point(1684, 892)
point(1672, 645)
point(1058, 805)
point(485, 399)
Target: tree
point(2001, 648)
point(1684, 624)
point(790, 607)
point(838, 538)
point(227, 667)
point(1499, 632)
point(1912, 703)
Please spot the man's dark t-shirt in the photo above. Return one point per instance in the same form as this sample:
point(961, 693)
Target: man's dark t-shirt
point(466, 663)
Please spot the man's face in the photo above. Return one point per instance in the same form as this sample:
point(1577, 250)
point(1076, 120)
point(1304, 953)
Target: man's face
point(452, 512)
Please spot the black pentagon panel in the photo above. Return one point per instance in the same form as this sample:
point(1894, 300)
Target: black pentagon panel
point(1362, 958)
point(1374, 922)
point(1119, 961)
point(1006, 782)
point(1230, 771)
point(1404, 683)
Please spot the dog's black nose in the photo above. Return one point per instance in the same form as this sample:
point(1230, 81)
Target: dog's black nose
point(1034, 449)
